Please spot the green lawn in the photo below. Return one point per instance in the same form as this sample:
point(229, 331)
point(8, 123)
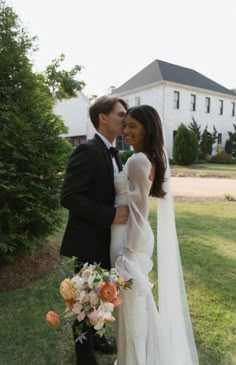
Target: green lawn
point(207, 235)
point(207, 169)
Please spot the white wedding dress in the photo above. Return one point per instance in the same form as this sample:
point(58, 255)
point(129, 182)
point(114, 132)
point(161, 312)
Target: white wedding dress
point(142, 337)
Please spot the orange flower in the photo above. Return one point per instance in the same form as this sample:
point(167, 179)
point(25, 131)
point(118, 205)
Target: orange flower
point(69, 304)
point(108, 292)
point(117, 302)
point(53, 319)
point(66, 289)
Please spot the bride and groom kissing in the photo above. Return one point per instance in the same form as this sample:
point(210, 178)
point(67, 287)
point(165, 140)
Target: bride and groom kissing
point(108, 224)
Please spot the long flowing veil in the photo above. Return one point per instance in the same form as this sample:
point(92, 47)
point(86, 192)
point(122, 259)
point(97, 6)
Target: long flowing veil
point(177, 345)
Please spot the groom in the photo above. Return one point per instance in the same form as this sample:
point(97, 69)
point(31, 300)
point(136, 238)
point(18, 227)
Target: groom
point(88, 193)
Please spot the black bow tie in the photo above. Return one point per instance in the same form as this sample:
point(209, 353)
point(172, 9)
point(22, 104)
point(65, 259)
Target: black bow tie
point(113, 151)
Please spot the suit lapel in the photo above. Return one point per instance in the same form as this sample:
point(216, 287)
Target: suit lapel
point(99, 142)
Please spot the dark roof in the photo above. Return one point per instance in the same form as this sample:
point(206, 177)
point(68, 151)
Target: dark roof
point(164, 71)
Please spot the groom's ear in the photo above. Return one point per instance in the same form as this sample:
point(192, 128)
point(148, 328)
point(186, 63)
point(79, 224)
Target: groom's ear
point(102, 118)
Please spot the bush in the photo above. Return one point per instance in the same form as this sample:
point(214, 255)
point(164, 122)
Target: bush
point(32, 151)
point(221, 157)
point(185, 146)
point(124, 155)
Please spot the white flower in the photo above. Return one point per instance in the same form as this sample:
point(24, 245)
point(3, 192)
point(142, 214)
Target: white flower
point(108, 307)
point(86, 274)
point(91, 280)
point(100, 324)
point(77, 282)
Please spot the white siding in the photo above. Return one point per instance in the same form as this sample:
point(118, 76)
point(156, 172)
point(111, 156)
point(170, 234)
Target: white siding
point(74, 112)
point(161, 97)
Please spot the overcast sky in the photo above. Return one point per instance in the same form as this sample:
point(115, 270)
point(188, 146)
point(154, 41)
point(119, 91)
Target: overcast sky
point(114, 40)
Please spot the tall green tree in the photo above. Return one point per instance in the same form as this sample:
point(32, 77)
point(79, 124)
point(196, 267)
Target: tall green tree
point(32, 152)
point(196, 128)
point(62, 84)
point(185, 146)
point(230, 144)
point(207, 141)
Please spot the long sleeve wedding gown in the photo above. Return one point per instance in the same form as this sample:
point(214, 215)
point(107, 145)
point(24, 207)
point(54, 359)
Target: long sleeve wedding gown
point(143, 337)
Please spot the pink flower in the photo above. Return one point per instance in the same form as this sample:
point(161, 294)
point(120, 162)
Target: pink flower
point(117, 302)
point(77, 308)
point(93, 298)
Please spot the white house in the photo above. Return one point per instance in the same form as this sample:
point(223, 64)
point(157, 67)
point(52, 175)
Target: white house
point(74, 113)
point(179, 93)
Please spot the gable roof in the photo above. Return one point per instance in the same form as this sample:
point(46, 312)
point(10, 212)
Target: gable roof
point(165, 71)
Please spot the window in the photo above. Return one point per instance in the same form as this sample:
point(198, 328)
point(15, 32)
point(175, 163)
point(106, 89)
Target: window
point(137, 100)
point(207, 105)
point(176, 99)
point(221, 103)
point(120, 143)
point(219, 138)
point(233, 109)
point(174, 134)
point(193, 102)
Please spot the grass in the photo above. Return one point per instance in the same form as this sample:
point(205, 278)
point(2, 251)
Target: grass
point(207, 235)
point(206, 169)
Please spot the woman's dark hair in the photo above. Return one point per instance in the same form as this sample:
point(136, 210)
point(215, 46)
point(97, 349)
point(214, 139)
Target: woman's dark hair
point(103, 104)
point(153, 143)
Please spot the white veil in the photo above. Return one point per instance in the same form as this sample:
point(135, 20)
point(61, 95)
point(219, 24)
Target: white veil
point(177, 345)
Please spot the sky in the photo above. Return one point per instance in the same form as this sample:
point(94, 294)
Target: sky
point(114, 40)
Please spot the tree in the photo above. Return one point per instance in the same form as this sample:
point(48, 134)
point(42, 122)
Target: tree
point(32, 152)
point(230, 145)
point(110, 89)
point(185, 146)
point(207, 141)
point(62, 84)
point(193, 126)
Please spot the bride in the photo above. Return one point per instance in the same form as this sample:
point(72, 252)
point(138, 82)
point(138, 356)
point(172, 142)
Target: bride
point(145, 335)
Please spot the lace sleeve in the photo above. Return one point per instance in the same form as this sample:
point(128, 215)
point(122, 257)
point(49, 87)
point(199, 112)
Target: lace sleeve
point(135, 261)
point(139, 184)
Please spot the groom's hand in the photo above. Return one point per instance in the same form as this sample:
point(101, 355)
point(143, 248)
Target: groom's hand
point(122, 215)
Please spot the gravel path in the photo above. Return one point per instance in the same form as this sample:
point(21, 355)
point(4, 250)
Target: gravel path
point(208, 188)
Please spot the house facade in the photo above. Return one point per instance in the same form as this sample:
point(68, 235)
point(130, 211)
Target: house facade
point(181, 94)
point(75, 115)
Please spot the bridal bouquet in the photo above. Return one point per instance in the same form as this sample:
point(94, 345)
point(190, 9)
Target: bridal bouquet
point(91, 296)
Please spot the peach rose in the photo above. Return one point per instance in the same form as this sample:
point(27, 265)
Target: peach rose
point(53, 319)
point(121, 281)
point(93, 298)
point(66, 289)
point(109, 319)
point(108, 292)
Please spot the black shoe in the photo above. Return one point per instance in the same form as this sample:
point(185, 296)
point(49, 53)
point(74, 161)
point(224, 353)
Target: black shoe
point(83, 359)
point(107, 346)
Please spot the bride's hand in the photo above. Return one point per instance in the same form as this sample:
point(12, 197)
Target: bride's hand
point(122, 215)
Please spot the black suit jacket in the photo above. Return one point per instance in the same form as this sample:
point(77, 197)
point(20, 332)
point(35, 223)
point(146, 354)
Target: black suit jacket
point(88, 193)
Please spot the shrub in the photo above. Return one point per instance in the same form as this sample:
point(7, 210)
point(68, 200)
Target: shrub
point(185, 146)
point(124, 155)
point(32, 151)
point(221, 157)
